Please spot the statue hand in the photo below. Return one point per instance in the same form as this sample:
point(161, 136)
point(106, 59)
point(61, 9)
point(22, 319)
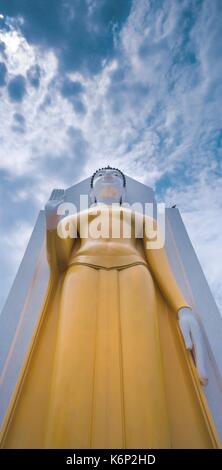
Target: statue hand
point(193, 340)
point(51, 207)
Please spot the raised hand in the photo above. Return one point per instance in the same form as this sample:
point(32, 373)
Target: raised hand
point(51, 207)
point(193, 340)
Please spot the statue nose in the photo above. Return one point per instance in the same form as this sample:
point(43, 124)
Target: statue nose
point(108, 178)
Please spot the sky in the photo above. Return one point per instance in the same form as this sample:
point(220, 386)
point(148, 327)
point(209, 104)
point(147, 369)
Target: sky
point(134, 84)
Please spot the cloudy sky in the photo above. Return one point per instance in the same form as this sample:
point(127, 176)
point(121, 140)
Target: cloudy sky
point(134, 84)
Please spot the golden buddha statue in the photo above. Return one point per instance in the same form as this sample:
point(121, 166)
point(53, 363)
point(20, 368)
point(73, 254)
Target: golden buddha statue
point(123, 355)
point(109, 384)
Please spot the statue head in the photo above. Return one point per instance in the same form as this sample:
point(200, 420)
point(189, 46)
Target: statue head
point(108, 185)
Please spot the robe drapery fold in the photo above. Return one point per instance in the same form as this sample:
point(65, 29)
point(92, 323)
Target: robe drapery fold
point(109, 368)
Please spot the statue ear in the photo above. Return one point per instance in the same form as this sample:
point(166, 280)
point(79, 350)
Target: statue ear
point(123, 197)
point(92, 196)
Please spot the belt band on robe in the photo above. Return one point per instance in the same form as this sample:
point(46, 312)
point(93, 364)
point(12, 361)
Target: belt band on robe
point(108, 261)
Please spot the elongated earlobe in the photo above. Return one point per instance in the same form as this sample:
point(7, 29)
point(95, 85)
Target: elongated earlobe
point(92, 197)
point(123, 197)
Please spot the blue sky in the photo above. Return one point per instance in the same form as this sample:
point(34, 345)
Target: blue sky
point(136, 84)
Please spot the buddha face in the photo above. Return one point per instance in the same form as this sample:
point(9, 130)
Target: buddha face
point(108, 186)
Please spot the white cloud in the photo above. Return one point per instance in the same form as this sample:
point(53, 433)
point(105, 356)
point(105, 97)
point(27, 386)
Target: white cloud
point(152, 110)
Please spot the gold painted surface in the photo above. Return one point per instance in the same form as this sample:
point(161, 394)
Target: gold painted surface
point(108, 367)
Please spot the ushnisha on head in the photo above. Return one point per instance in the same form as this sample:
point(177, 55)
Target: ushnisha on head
point(108, 186)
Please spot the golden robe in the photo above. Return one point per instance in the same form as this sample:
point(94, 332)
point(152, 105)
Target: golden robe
point(118, 372)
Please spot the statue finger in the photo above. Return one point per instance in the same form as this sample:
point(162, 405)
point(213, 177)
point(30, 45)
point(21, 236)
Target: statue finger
point(199, 357)
point(185, 330)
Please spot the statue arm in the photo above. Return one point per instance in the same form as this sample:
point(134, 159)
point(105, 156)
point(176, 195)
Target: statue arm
point(59, 246)
point(158, 261)
point(58, 250)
